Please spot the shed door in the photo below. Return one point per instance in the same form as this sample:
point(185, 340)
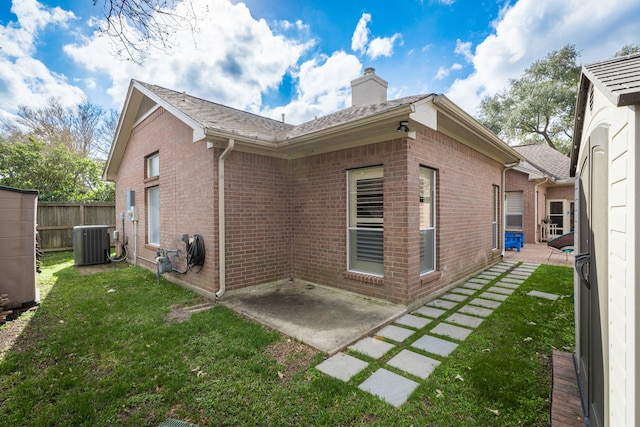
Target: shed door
point(592, 291)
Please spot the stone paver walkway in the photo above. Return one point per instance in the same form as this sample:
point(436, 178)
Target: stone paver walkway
point(416, 343)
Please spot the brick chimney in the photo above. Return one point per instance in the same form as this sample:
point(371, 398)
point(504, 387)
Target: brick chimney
point(368, 89)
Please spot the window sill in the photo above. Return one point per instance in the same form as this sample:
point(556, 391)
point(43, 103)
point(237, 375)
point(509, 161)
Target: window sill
point(153, 179)
point(363, 277)
point(429, 277)
point(151, 246)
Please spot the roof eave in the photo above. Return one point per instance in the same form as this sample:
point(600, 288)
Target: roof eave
point(476, 135)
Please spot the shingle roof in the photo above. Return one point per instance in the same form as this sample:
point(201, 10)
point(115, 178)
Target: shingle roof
point(618, 78)
point(352, 113)
point(546, 159)
point(217, 116)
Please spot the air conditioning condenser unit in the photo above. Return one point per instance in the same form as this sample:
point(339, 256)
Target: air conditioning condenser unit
point(91, 244)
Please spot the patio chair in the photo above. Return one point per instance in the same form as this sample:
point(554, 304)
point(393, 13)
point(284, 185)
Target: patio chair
point(562, 245)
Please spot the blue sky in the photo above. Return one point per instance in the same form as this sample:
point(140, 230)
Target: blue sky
point(298, 57)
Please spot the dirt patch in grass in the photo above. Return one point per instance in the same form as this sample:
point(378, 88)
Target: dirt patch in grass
point(181, 313)
point(291, 354)
point(84, 270)
point(10, 331)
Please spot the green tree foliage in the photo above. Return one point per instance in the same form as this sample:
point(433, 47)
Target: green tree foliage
point(56, 172)
point(628, 49)
point(538, 106)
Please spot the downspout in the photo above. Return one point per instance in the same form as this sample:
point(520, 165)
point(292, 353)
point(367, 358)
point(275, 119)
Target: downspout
point(535, 198)
point(505, 167)
point(221, 220)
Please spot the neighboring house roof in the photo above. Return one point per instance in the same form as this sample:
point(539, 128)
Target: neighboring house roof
point(544, 160)
point(356, 125)
point(618, 79)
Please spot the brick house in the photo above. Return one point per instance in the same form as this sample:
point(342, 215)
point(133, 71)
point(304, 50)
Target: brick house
point(393, 199)
point(540, 189)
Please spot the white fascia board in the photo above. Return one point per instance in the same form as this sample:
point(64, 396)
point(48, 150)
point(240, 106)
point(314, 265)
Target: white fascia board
point(425, 113)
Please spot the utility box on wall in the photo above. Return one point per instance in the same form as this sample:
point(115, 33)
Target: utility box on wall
point(91, 244)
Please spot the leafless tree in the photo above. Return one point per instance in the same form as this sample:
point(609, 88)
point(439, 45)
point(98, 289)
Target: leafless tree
point(84, 128)
point(135, 26)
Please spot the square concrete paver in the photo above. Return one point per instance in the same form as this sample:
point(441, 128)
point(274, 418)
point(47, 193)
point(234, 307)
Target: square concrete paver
point(488, 276)
point(476, 311)
point(472, 285)
point(414, 363)
point(390, 387)
point(413, 321)
point(372, 347)
point(440, 303)
point(435, 345)
point(500, 290)
point(512, 280)
point(497, 297)
point(508, 285)
point(485, 303)
point(546, 295)
point(463, 291)
point(430, 311)
point(395, 333)
point(464, 320)
point(481, 281)
point(454, 297)
point(342, 366)
point(455, 332)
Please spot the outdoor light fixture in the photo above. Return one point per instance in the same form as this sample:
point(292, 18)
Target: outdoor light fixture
point(404, 125)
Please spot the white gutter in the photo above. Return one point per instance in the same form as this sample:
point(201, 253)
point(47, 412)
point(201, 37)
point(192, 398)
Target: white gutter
point(535, 198)
point(221, 220)
point(505, 167)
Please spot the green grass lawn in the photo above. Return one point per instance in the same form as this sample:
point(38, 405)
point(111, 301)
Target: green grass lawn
point(100, 352)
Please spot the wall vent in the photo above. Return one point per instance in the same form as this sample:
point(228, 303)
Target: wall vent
point(91, 244)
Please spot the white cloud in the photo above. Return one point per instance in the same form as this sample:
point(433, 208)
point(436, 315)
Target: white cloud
point(324, 86)
point(444, 72)
point(379, 46)
point(464, 49)
point(231, 59)
point(23, 79)
point(530, 29)
point(360, 36)
point(382, 46)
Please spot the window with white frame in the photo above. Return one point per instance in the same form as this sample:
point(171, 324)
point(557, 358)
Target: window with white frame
point(494, 223)
point(427, 191)
point(153, 215)
point(513, 212)
point(366, 221)
point(153, 165)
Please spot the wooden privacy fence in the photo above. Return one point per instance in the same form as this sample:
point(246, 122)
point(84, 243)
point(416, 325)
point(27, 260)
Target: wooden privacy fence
point(56, 221)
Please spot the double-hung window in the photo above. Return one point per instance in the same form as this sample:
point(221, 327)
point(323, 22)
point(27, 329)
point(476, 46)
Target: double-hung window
point(152, 173)
point(366, 221)
point(514, 210)
point(427, 189)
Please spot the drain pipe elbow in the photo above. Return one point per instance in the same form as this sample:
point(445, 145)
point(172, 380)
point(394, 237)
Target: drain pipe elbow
point(221, 221)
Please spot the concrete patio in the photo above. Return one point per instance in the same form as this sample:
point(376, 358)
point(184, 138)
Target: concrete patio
point(538, 253)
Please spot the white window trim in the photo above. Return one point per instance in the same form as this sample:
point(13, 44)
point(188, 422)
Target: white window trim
point(434, 227)
point(375, 171)
point(151, 222)
point(495, 239)
point(149, 160)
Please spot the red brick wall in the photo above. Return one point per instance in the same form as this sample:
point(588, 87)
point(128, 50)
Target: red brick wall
point(519, 181)
point(186, 182)
point(320, 219)
point(288, 218)
point(465, 181)
point(258, 219)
